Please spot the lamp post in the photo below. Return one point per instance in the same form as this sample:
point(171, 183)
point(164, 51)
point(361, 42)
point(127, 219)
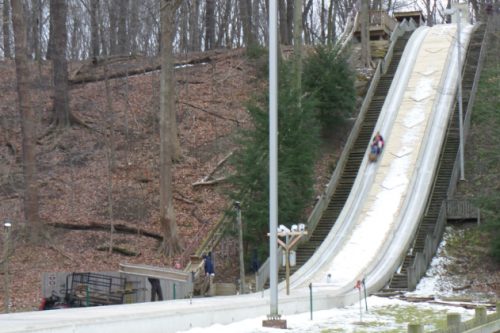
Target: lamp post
point(273, 157)
point(6, 249)
point(237, 205)
point(458, 11)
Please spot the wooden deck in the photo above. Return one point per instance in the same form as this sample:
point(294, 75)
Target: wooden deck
point(381, 26)
point(462, 210)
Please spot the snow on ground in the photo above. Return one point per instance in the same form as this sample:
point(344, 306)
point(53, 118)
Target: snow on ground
point(384, 314)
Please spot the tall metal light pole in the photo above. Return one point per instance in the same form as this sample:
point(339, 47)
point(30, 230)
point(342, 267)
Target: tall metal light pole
point(273, 156)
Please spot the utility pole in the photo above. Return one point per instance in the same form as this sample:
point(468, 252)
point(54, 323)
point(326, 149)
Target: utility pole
point(237, 205)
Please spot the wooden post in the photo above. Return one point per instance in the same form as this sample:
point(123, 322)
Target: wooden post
point(240, 243)
point(287, 263)
point(211, 286)
point(415, 328)
point(453, 320)
point(480, 315)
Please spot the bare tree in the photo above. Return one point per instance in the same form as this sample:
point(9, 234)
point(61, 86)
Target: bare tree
point(224, 26)
point(210, 24)
point(51, 41)
point(194, 29)
point(36, 27)
point(28, 122)
point(283, 22)
point(6, 29)
point(289, 21)
point(246, 18)
point(94, 28)
point(332, 16)
point(171, 244)
point(113, 26)
point(183, 28)
point(102, 35)
point(376, 5)
point(134, 26)
point(58, 15)
point(365, 33)
point(122, 27)
point(297, 42)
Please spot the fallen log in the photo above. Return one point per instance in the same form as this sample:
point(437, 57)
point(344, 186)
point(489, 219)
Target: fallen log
point(120, 66)
point(119, 250)
point(207, 180)
point(119, 228)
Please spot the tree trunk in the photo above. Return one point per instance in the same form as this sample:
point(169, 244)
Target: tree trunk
point(28, 122)
point(122, 28)
point(297, 43)
point(224, 26)
point(102, 35)
point(210, 25)
point(377, 5)
point(429, 13)
point(75, 33)
point(289, 20)
point(283, 22)
point(51, 42)
point(110, 155)
point(365, 34)
point(60, 63)
point(323, 22)
point(331, 22)
point(171, 244)
point(113, 22)
point(255, 20)
point(183, 28)
point(134, 26)
point(36, 14)
point(94, 28)
point(246, 18)
point(194, 30)
point(6, 29)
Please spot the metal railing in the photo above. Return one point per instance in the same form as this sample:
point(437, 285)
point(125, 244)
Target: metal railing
point(422, 259)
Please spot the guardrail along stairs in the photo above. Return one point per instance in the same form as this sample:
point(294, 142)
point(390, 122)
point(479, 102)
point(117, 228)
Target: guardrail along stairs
point(305, 250)
point(399, 281)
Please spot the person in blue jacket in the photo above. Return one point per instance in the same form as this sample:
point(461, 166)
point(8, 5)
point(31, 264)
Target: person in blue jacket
point(209, 266)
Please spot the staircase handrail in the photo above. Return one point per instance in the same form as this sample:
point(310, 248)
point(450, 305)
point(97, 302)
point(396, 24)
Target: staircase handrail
point(205, 236)
point(468, 112)
point(422, 259)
